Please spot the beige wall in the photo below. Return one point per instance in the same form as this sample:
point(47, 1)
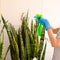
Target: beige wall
point(12, 9)
point(0, 6)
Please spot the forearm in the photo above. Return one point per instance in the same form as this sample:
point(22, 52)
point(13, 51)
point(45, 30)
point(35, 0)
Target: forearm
point(54, 41)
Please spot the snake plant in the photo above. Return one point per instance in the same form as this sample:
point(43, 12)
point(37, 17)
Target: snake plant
point(25, 43)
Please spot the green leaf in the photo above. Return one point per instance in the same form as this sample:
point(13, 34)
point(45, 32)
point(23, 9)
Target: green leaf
point(6, 52)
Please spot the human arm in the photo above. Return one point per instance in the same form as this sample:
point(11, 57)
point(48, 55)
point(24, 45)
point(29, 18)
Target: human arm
point(54, 41)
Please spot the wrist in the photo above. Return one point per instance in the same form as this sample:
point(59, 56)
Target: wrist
point(47, 28)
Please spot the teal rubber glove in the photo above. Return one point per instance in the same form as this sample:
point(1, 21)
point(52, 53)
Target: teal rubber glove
point(45, 23)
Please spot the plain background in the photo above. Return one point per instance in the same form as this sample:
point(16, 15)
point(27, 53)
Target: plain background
point(12, 9)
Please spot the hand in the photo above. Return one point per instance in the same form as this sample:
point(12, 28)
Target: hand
point(45, 23)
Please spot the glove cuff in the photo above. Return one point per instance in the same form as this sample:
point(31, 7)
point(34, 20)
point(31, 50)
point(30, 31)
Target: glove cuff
point(48, 28)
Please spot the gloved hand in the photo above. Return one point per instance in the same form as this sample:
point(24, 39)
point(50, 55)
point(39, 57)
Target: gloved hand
point(45, 23)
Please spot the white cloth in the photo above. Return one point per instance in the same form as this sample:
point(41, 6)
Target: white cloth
point(56, 54)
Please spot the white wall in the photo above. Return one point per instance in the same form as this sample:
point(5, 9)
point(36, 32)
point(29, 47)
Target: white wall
point(12, 9)
point(51, 10)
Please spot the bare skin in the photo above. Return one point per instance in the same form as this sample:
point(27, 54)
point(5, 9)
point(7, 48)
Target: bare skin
point(54, 41)
point(55, 30)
